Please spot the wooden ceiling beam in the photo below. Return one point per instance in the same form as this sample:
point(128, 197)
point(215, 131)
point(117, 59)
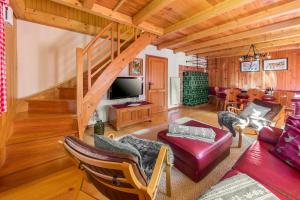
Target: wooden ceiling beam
point(88, 3)
point(262, 38)
point(209, 13)
point(111, 15)
point(147, 11)
point(270, 50)
point(59, 22)
point(292, 23)
point(260, 47)
point(241, 22)
point(18, 7)
point(119, 4)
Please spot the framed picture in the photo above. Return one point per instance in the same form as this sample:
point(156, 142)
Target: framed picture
point(276, 64)
point(250, 66)
point(136, 67)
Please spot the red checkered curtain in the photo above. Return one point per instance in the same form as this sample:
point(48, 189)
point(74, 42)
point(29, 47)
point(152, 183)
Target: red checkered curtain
point(3, 103)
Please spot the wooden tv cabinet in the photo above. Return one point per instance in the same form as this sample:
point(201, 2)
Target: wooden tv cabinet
point(123, 115)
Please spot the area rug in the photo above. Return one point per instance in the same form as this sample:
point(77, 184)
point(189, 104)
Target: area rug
point(184, 188)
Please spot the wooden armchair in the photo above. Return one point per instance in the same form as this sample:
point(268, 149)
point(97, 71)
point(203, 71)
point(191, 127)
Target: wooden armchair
point(117, 176)
point(272, 117)
point(254, 94)
point(231, 97)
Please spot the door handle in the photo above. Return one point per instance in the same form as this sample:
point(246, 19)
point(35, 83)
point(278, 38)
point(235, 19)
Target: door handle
point(149, 85)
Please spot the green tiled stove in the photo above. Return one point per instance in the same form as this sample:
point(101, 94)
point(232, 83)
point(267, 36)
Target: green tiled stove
point(195, 88)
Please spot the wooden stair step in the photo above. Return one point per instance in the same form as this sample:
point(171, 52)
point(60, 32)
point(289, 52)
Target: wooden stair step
point(21, 137)
point(25, 155)
point(30, 175)
point(36, 122)
point(52, 106)
point(67, 93)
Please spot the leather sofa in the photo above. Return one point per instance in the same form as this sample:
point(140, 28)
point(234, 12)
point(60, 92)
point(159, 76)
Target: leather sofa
point(258, 163)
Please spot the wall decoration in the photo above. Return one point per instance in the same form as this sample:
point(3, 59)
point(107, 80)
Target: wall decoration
point(136, 67)
point(250, 66)
point(276, 64)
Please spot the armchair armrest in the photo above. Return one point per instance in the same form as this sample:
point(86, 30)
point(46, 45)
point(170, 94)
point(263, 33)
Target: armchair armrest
point(270, 135)
point(158, 169)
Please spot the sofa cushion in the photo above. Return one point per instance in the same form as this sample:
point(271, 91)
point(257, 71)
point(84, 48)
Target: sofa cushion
point(288, 147)
point(240, 186)
point(261, 165)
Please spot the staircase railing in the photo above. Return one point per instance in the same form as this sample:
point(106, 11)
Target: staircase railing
point(98, 54)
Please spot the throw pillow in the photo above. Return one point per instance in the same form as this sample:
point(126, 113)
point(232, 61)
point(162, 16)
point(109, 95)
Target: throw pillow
point(288, 147)
point(108, 144)
point(293, 121)
point(149, 151)
point(191, 132)
point(254, 110)
point(240, 186)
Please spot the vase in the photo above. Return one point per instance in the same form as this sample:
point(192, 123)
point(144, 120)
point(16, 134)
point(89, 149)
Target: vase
point(99, 128)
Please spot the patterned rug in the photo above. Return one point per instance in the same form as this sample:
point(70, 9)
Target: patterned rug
point(182, 187)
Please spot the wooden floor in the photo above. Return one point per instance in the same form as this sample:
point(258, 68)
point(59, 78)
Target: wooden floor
point(64, 184)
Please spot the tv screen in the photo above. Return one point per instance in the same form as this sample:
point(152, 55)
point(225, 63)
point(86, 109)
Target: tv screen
point(126, 87)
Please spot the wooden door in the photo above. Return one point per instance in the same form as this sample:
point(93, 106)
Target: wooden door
point(157, 82)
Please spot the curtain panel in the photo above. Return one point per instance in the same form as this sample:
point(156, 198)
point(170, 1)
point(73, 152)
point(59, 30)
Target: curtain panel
point(3, 100)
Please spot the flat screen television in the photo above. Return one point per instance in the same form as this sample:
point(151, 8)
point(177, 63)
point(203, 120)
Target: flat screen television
point(126, 87)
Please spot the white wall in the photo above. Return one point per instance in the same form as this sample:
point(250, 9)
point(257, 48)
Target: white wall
point(46, 56)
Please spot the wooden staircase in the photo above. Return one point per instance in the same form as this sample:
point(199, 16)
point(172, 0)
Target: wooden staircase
point(33, 150)
point(117, 45)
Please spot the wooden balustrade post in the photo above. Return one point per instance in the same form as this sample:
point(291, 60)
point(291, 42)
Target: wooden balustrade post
point(135, 34)
point(112, 43)
point(119, 38)
point(89, 61)
point(79, 67)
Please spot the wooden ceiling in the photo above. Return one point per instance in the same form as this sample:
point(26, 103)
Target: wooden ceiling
point(210, 28)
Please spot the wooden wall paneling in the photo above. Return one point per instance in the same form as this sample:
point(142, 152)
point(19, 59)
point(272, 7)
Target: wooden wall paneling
point(7, 118)
point(225, 72)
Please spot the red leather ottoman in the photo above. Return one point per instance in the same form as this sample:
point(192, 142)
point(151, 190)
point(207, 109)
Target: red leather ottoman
point(195, 158)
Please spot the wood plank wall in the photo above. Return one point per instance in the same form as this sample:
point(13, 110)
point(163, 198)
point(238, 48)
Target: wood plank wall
point(225, 72)
point(6, 119)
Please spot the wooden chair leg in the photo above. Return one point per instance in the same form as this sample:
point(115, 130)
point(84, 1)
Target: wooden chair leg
point(168, 180)
point(168, 175)
point(217, 104)
point(240, 138)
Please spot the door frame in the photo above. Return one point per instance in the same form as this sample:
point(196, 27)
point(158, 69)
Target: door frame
point(147, 78)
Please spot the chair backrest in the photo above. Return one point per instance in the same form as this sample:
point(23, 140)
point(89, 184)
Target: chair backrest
point(116, 175)
point(231, 94)
point(254, 94)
